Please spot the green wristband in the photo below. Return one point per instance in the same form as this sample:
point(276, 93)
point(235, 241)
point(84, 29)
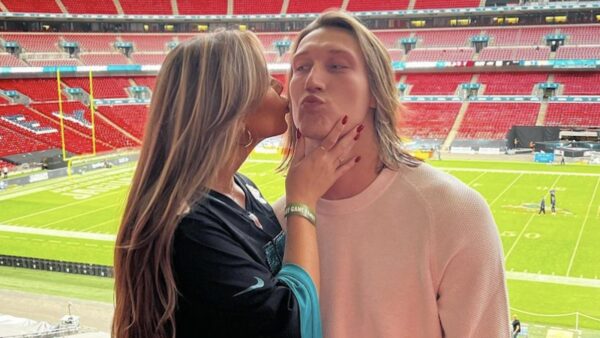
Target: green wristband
point(301, 210)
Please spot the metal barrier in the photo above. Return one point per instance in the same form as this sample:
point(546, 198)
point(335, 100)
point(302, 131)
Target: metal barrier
point(57, 266)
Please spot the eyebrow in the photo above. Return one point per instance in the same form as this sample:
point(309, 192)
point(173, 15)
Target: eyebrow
point(335, 51)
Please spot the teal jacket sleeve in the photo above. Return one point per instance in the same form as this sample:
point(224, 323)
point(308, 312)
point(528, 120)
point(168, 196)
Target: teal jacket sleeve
point(305, 291)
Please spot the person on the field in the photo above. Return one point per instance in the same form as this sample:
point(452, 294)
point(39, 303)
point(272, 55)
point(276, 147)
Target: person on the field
point(406, 250)
point(516, 327)
point(542, 206)
point(200, 252)
point(553, 201)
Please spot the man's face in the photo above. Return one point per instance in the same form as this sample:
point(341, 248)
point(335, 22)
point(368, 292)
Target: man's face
point(329, 80)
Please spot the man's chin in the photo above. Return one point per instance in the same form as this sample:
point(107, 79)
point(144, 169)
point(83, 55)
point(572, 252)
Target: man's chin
point(314, 136)
point(316, 133)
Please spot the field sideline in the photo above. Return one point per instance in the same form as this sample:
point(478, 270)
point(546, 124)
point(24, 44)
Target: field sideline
point(551, 260)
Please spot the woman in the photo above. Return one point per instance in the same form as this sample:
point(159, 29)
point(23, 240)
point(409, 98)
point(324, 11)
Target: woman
point(199, 251)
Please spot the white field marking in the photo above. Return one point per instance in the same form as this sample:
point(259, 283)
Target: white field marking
point(506, 189)
point(256, 163)
point(587, 215)
point(58, 182)
point(263, 161)
point(263, 185)
point(57, 233)
point(525, 227)
point(476, 178)
point(67, 205)
point(507, 171)
point(518, 237)
point(46, 225)
point(96, 225)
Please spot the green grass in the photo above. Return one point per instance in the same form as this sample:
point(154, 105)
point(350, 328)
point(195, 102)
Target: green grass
point(57, 284)
point(561, 245)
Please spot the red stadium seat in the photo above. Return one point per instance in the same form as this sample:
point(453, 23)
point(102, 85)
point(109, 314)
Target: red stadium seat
point(494, 120)
point(377, 5)
point(436, 84)
point(573, 114)
point(511, 83)
point(242, 7)
point(87, 7)
point(428, 120)
point(38, 6)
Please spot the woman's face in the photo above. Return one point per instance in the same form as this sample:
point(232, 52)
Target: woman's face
point(329, 80)
point(268, 119)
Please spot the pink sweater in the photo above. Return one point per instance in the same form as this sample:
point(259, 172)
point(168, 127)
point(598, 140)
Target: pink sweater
point(416, 254)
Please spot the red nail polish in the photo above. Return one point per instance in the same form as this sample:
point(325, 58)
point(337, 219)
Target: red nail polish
point(345, 119)
point(357, 159)
point(360, 128)
point(298, 134)
point(356, 137)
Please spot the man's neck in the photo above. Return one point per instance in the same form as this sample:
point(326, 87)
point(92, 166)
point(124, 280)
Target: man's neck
point(362, 174)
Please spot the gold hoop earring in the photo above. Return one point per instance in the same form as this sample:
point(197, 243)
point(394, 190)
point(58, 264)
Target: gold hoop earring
point(250, 139)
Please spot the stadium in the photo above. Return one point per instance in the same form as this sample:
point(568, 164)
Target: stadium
point(502, 94)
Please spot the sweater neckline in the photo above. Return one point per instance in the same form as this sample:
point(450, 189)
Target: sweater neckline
point(361, 200)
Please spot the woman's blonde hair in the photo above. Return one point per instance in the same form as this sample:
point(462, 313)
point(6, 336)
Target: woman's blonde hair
point(381, 84)
point(195, 127)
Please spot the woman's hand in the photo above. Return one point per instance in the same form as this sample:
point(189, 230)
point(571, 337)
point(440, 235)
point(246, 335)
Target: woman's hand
point(311, 175)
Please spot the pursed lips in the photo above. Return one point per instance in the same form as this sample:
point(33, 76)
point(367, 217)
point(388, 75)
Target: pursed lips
point(311, 101)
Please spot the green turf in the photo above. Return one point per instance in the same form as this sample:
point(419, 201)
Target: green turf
point(561, 245)
point(57, 284)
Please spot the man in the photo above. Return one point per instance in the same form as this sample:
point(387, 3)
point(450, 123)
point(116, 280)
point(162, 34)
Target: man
point(553, 201)
point(406, 250)
point(516, 325)
point(542, 206)
point(5, 171)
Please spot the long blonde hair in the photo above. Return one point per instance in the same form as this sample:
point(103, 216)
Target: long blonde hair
point(381, 84)
point(195, 127)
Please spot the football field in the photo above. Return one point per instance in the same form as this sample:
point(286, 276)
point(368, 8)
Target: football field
point(552, 260)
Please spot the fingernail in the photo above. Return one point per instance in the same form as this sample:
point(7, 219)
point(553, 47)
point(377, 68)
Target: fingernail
point(298, 134)
point(356, 137)
point(357, 159)
point(345, 119)
point(360, 128)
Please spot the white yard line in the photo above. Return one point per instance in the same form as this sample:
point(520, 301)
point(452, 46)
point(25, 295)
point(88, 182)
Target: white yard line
point(263, 161)
point(67, 205)
point(57, 233)
point(96, 225)
point(476, 178)
point(506, 189)
point(46, 225)
point(525, 227)
point(587, 215)
point(507, 171)
point(534, 277)
point(518, 237)
point(60, 182)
